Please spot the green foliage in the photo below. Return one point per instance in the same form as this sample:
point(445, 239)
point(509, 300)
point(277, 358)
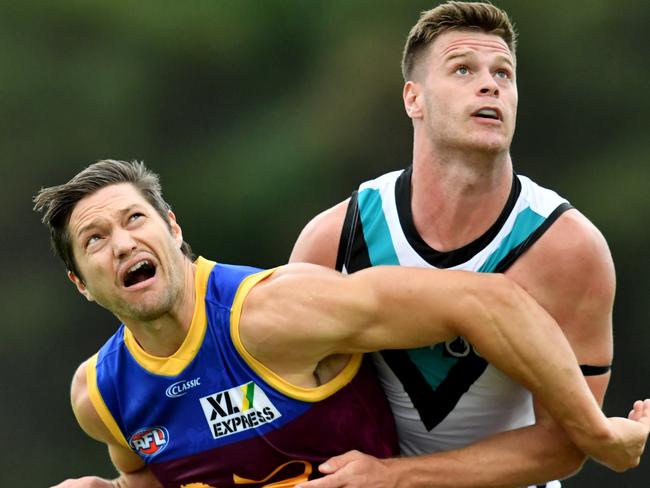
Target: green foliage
point(259, 114)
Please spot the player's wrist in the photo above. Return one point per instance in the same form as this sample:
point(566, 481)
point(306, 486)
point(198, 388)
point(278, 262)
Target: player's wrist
point(408, 472)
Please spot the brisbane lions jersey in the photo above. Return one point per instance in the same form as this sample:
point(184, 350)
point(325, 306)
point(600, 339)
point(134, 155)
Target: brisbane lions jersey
point(211, 416)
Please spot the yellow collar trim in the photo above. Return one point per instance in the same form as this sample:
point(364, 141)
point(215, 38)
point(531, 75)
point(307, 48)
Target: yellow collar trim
point(273, 379)
point(177, 362)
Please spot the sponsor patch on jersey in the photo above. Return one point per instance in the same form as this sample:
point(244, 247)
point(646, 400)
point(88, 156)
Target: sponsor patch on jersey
point(149, 441)
point(238, 409)
point(180, 388)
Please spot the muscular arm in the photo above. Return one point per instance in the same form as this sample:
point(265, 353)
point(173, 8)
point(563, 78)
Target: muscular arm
point(133, 474)
point(570, 273)
point(542, 451)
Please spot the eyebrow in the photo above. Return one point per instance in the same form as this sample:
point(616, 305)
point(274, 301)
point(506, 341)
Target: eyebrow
point(97, 221)
point(467, 53)
point(87, 227)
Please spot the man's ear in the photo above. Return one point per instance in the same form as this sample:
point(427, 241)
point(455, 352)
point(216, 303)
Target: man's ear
point(412, 99)
point(176, 230)
point(80, 286)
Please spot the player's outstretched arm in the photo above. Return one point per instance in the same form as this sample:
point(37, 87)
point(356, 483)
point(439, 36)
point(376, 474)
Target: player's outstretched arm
point(305, 313)
point(133, 474)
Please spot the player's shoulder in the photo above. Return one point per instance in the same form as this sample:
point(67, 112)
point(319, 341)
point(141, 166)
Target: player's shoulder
point(319, 240)
point(574, 237)
point(571, 253)
point(82, 405)
point(92, 424)
point(79, 386)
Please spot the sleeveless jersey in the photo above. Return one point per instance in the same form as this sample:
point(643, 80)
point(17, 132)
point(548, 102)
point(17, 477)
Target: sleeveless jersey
point(444, 396)
point(211, 415)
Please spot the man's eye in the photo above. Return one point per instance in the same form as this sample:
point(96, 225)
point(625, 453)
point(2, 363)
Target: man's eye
point(462, 70)
point(502, 74)
point(92, 240)
point(135, 216)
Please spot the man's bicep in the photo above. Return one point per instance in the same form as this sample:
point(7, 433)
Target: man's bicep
point(570, 273)
point(307, 310)
point(318, 242)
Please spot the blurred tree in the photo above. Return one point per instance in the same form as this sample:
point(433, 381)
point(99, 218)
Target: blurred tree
point(258, 115)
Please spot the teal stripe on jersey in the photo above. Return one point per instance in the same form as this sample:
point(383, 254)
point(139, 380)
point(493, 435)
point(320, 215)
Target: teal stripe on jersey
point(433, 363)
point(525, 224)
point(375, 228)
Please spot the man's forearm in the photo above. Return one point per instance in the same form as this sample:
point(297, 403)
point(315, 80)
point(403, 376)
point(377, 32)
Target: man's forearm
point(522, 457)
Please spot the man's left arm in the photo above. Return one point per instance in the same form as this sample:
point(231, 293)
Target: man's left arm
point(569, 271)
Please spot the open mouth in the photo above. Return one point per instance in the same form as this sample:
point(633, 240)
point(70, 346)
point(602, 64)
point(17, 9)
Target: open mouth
point(139, 272)
point(488, 113)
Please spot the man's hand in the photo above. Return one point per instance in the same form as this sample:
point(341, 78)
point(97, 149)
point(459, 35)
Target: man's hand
point(86, 482)
point(631, 435)
point(354, 470)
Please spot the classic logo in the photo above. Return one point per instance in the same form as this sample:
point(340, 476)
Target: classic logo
point(180, 388)
point(149, 441)
point(238, 409)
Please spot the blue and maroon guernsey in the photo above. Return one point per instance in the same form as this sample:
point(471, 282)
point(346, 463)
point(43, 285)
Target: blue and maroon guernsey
point(211, 416)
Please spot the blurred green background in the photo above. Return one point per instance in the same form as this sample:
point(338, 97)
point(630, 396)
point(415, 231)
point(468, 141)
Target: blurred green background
point(259, 114)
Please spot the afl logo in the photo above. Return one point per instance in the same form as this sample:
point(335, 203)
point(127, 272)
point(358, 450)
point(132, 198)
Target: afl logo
point(150, 441)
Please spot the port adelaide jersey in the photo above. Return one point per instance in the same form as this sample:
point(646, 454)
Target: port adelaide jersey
point(444, 396)
point(211, 416)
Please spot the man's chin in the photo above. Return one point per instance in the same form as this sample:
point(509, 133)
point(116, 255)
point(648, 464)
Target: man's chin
point(141, 312)
point(489, 145)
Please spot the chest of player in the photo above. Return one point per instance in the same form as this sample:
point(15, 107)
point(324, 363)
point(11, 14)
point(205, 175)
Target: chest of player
point(213, 422)
point(219, 424)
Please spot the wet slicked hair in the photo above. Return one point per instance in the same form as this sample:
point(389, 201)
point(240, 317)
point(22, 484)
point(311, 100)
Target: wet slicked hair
point(57, 202)
point(452, 15)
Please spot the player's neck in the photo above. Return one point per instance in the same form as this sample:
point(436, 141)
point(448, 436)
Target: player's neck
point(164, 335)
point(456, 196)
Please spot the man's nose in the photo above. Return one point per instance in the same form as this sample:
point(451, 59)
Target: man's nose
point(123, 243)
point(487, 84)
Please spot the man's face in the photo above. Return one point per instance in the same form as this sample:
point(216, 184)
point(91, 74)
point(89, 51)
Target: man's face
point(128, 256)
point(468, 92)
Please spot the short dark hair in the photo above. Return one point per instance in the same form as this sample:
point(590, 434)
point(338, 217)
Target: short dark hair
point(58, 202)
point(452, 15)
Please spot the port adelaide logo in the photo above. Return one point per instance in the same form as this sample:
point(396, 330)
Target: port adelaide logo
point(238, 409)
point(149, 441)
